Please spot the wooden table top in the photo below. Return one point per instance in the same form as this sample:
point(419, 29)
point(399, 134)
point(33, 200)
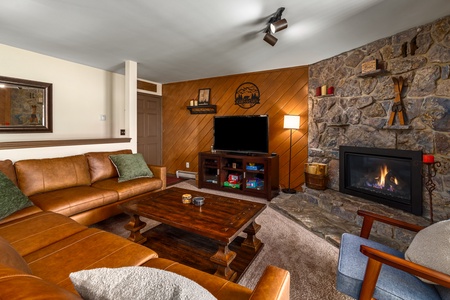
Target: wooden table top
point(220, 218)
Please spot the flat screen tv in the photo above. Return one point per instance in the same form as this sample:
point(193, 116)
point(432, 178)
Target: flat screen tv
point(242, 134)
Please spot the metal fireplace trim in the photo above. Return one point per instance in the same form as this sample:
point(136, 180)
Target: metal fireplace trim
point(415, 206)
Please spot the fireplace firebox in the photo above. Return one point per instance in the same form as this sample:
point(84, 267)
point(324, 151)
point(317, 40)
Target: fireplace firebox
point(388, 176)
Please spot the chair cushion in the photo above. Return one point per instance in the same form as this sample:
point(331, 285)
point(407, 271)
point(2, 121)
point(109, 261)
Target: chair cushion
point(130, 166)
point(430, 247)
point(136, 283)
point(392, 283)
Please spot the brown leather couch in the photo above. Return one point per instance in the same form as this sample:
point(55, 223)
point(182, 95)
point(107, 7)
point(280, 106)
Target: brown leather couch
point(83, 187)
point(40, 247)
point(40, 250)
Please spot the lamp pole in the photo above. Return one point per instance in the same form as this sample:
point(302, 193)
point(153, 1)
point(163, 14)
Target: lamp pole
point(290, 122)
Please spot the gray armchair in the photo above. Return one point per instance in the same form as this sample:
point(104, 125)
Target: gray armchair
point(370, 270)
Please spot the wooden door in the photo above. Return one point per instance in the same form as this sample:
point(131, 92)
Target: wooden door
point(149, 129)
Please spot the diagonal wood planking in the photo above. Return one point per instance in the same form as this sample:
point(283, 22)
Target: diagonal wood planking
point(283, 91)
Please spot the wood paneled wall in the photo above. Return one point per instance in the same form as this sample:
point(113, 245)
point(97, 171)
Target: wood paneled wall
point(282, 91)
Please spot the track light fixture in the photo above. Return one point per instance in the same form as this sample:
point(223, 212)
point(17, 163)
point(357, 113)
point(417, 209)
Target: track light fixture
point(275, 24)
point(270, 39)
point(278, 25)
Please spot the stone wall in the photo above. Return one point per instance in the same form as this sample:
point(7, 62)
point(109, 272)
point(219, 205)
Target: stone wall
point(358, 112)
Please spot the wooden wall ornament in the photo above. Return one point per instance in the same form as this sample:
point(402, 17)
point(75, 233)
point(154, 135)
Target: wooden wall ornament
point(397, 107)
point(247, 95)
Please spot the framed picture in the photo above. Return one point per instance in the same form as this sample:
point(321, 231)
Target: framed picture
point(203, 96)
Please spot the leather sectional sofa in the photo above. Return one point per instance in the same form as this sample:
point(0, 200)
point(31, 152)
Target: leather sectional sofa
point(42, 244)
point(83, 187)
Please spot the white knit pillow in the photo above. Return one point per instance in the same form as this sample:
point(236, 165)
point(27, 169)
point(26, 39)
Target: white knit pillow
point(430, 248)
point(136, 283)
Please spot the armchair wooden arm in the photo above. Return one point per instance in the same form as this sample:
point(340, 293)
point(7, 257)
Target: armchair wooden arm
point(377, 258)
point(369, 217)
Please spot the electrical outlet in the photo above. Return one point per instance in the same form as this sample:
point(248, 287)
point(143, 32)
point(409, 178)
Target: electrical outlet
point(122, 131)
point(187, 165)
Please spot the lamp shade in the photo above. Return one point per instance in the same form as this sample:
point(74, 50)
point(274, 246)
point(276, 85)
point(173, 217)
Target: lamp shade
point(291, 122)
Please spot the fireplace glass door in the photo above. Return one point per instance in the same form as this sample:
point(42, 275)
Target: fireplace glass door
point(387, 176)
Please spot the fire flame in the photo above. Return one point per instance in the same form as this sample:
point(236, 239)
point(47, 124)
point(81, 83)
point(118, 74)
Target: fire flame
point(381, 179)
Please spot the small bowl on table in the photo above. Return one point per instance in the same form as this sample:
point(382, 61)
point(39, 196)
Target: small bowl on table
point(198, 201)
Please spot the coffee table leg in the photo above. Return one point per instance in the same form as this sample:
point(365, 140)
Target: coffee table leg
point(223, 258)
point(252, 241)
point(134, 226)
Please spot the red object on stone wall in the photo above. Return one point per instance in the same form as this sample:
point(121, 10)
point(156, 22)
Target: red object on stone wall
point(428, 158)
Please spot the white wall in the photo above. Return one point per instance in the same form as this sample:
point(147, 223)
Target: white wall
point(80, 95)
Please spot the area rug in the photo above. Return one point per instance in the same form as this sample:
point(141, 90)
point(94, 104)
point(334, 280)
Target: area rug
point(310, 260)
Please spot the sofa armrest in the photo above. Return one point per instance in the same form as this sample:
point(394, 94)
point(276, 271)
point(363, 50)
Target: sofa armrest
point(273, 284)
point(159, 172)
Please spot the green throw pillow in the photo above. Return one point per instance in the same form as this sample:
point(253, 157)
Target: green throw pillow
point(11, 197)
point(130, 166)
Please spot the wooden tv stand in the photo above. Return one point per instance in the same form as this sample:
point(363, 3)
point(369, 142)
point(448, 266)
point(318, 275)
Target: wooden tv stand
point(255, 176)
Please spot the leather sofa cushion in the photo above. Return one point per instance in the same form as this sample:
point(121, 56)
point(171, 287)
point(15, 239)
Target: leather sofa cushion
point(21, 213)
point(88, 249)
point(7, 168)
point(130, 188)
point(34, 232)
point(11, 258)
point(71, 201)
point(15, 284)
point(100, 166)
point(36, 176)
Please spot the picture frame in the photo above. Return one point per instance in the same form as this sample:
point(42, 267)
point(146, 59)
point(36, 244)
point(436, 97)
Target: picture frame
point(203, 96)
point(29, 103)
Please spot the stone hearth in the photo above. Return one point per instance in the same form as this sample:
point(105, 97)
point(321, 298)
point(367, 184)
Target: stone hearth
point(329, 214)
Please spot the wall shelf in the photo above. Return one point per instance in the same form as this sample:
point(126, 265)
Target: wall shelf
point(374, 73)
point(202, 109)
point(324, 96)
point(60, 143)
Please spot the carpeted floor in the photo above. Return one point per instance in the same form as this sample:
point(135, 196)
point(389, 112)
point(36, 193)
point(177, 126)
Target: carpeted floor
point(310, 259)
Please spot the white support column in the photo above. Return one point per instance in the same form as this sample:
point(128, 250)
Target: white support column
point(131, 102)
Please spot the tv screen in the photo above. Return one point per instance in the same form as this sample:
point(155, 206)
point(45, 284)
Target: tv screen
point(242, 134)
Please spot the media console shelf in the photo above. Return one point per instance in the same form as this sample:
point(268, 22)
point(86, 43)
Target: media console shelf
point(255, 176)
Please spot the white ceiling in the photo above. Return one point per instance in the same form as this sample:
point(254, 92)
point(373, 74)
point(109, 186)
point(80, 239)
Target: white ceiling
point(177, 40)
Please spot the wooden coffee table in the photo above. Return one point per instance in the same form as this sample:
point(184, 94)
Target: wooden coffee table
point(188, 232)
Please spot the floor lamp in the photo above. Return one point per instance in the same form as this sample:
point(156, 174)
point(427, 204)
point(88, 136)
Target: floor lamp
point(290, 122)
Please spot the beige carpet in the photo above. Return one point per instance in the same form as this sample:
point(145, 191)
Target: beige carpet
point(310, 259)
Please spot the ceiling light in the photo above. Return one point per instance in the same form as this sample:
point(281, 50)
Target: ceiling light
point(270, 39)
point(278, 25)
point(275, 24)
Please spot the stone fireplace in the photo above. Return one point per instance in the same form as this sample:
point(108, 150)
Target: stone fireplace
point(357, 114)
point(386, 176)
